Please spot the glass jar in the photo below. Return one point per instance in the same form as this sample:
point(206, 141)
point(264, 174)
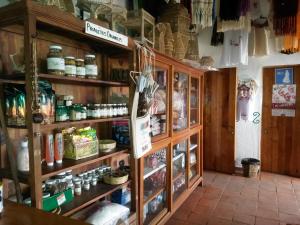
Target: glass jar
point(104, 113)
point(46, 195)
point(86, 185)
point(71, 185)
point(83, 112)
point(97, 110)
point(89, 112)
point(80, 176)
point(70, 66)
point(80, 68)
point(75, 113)
point(61, 113)
point(50, 183)
point(119, 110)
point(61, 177)
point(110, 111)
point(115, 110)
point(94, 181)
point(126, 112)
point(77, 187)
point(55, 60)
point(91, 69)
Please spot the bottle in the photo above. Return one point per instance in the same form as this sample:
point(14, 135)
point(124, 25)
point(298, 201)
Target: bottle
point(23, 156)
point(58, 146)
point(49, 149)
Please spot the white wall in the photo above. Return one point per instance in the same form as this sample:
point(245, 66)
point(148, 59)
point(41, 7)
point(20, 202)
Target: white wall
point(248, 134)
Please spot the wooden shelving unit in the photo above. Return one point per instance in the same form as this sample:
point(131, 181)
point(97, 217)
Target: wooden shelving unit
point(27, 21)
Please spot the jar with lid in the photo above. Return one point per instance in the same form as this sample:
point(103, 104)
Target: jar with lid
point(104, 113)
point(91, 69)
point(71, 185)
point(55, 60)
point(80, 176)
point(77, 187)
point(125, 109)
point(70, 66)
point(89, 112)
point(96, 113)
point(61, 177)
point(27, 201)
point(115, 110)
point(119, 110)
point(83, 112)
point(110, 111)
point(75, 113)
point(94, 181)
point(61, 113)
point(50, 183)
point(86, 185)
point(80, 68)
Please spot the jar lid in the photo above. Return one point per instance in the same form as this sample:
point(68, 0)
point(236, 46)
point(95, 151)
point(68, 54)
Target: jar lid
point(77, 182)
point(69, 57)
point(79, 60)
point(90, 56)
point(61, 174)
point(46, 195)
point(97, 105)
point(50, 182)
point(27, 201)
point(55, 47)
point(69, 171)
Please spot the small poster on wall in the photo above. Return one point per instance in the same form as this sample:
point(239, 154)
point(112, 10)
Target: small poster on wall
point(284, 76)
point(284, 100)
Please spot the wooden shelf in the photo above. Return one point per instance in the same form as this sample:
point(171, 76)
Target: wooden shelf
point(193, 146)
point(81, 81)
point(178, 156)
point(20, 79)
point(88, 197)
point(149, 171)
point(22, 176)
point(80, 122)
point(155, 194)
point(69, 164)
point(178, 176)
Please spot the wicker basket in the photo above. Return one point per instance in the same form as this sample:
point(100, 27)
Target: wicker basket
point(116, 178)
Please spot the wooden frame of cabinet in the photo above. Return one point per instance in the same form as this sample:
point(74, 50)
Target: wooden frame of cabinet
point(174, 137)
point(34, 22)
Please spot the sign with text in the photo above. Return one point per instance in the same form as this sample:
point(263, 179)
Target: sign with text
point(284, 100)
point(101, 32)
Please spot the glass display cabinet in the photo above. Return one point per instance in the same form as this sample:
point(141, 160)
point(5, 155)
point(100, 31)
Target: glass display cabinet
point(180, 101)
point(194, 101)
point(179, 159)
point(194, 156)
point(154, 185)
point(159, 109)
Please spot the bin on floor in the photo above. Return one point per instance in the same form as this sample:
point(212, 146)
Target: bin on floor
point(251, 167)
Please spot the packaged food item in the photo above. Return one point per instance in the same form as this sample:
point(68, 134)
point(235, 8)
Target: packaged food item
point(80, 68)
point(75, 112)
point(58, 146)
point(49, 149)
point(47, 102)
point(55, 60)
point(23, 156)
point(91, 68)
point(70, 66)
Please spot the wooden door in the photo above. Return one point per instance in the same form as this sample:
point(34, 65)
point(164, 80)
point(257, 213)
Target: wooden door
point(280, 144)
point(219, 120)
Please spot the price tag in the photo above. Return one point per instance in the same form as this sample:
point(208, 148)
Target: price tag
point(61, 199)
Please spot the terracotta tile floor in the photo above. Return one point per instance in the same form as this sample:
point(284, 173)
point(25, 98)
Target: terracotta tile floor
point(235, 200)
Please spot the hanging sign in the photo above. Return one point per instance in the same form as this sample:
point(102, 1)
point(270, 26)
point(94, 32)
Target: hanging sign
point(101, 32)
point(284, 76)
point(284, 100)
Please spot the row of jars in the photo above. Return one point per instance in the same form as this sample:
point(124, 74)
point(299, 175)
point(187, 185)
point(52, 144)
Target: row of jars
point(69, 66)
point(76, 183)
point(78, 112)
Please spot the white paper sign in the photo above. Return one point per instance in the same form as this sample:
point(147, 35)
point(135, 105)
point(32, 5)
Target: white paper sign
point(101, 32)
point(284, 100)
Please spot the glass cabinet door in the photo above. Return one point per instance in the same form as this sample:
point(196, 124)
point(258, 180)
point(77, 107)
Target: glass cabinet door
point(179, 168)
point(155, 172)
point(194, 101)
point(194, 156)
point(160, 104)
point(180, 93)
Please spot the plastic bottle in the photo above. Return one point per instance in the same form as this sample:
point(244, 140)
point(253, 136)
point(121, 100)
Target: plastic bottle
point(58, 146)
point(49, 149)
point(23, 156)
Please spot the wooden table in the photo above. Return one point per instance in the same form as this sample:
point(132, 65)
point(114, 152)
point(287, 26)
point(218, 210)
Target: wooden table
point(15, 214)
